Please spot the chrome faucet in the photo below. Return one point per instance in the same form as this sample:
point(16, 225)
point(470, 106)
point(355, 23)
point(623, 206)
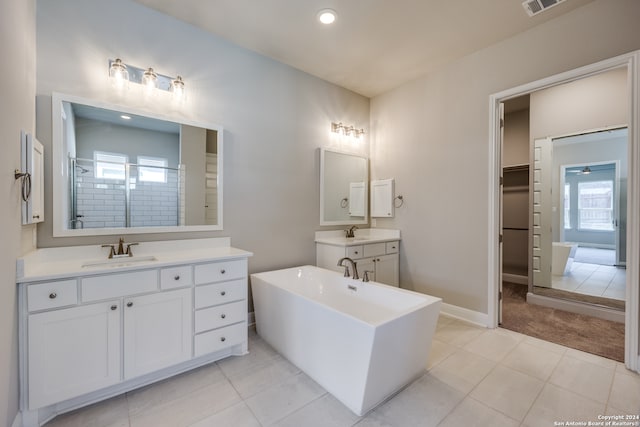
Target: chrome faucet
point(346, 267)
point(350, 231)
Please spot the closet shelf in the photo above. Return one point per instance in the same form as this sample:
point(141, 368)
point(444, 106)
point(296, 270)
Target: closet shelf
point(512, 188)
point(515, 228)
point(516, 168)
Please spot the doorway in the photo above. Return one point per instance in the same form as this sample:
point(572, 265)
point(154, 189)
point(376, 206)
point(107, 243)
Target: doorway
point(628, 64)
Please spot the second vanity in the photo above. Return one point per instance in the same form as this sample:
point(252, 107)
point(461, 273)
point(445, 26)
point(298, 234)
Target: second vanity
point(374, 250)
point(91, 327)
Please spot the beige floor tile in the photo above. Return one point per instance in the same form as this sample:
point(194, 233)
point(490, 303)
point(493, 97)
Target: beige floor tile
point(493, 344)
point(625, 393)
point(259, 352)
point(173, 388)
point(471, 413)
point(238, 415)
point(458, 333)
point(192, 407)
point(277, 402)
point(424, 403)
point(325, 411)
point(591, 358)
point(262, 375)
point(113, 412)
point(508, 391)
point(531, 360)
point(546, 345)
point(556, 404)
point(585, 378)
point(439, 352)
point(463, 370)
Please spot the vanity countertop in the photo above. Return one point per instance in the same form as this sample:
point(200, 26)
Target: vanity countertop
point(55, 263)
point(362, 236)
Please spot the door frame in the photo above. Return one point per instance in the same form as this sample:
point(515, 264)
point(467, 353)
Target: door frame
point(630, 61)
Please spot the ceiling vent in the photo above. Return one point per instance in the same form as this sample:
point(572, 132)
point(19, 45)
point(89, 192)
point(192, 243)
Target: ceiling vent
point(534, 7)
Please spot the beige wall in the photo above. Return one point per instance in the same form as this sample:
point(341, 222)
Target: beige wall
point(432, 135)
point(274, 117)
point(17, 111)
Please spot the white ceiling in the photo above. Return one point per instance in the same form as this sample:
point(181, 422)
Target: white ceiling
point(374, 46)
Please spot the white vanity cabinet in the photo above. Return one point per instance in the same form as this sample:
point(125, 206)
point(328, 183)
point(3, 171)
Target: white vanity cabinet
point(90, 335)
point(378, 254)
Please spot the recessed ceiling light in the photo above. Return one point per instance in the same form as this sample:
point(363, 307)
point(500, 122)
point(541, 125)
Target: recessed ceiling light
point(125, 117)
point(327, 16)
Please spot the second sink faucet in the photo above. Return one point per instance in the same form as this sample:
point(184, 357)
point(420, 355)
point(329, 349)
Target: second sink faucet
point(346, 267)
point(350, 231)
point(121, 251)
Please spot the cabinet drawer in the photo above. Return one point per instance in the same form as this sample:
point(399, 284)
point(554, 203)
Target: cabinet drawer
point(221, 315)
point(392, 247)
point(354, 252)
point(52, 295)
point(221, 293)
point(175, 277)
point(217, 271)
point(374, 249)
point(118, 285)
point(219, 339)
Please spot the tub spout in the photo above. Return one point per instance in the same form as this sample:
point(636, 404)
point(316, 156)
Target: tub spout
point(346, 267)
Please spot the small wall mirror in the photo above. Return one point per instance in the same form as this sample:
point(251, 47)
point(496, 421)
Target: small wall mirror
point(343, 188)
point(116, 171)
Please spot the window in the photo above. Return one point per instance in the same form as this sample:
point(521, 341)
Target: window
point(595, 205)
point(109, 165)
point(567, 206)
point(154, 172)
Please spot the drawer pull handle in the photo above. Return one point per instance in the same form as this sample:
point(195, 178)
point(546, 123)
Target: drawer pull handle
point(355, 252)
point(113, 307)
point(176, 277)
point(223, 293)
point(53, 295)
point(223, 339)
point(223, 271)
point(129, 304)
point(223, 315)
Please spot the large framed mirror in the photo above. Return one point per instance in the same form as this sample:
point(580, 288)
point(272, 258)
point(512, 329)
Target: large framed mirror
point(120, 171)
point(343, 188)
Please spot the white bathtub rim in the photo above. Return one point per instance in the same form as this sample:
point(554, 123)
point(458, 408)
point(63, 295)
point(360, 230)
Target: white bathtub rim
point(426, 299)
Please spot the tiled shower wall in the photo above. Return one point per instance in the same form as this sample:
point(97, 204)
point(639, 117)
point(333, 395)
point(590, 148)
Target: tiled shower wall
point(101, 202)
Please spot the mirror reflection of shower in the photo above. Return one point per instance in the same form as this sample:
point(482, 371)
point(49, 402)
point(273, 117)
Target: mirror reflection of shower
point(110, 192)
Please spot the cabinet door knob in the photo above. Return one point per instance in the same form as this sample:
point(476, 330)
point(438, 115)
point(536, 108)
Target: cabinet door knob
point(113, 307)
point(129, 304)
point(176, 277)
point(223, 293)
point(355, 252)
point(223, 315)
point(223, 339)
point(223, 271)
point(53, 295)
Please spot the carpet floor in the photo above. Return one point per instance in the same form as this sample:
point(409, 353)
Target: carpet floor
point(591, 334)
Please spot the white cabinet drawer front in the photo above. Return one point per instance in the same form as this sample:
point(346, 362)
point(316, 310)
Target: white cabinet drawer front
point(374, 249)
point(219, 339)
point(354, 252)
point(221, 293)
point(52, 295)
point(223, 270)
point(118, 285)
point(392, 247)
point(175, 277)
point(221, 315)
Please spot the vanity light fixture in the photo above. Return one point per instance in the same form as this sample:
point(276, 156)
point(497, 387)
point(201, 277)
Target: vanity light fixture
point(346, 130)
point(122, 73)
point(327, 16)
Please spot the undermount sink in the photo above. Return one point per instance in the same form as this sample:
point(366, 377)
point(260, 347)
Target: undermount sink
point(119, 262)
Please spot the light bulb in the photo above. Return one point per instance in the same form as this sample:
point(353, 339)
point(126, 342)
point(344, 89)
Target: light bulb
point(178, 89)
point(150, 79)
point(119, 74)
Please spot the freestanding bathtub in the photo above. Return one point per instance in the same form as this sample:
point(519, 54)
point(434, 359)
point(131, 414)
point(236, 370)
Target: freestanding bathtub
point(362, 342)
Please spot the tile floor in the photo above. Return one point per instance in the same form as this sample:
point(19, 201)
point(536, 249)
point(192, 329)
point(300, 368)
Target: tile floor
point(593, 279)
point(476, 377)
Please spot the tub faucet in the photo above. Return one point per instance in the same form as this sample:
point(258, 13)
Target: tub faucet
point(346, 267)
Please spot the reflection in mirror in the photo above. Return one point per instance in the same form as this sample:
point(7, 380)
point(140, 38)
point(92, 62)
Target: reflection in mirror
point(343, 188)
point(120, 172)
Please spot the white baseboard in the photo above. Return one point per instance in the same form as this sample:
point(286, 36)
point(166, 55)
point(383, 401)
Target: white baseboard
point(461, 313)
point(515, 278)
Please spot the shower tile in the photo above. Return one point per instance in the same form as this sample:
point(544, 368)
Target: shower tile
point(508, 391)
point(585, 378)
point(473, 413)
point(557, 404)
